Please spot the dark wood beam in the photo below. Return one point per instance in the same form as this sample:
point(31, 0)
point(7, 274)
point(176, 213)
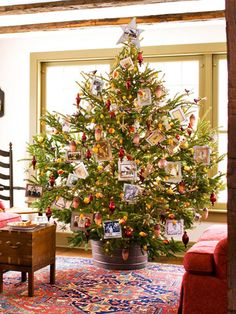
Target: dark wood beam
point(52, 26)
point(231, 173)
point(72, 5)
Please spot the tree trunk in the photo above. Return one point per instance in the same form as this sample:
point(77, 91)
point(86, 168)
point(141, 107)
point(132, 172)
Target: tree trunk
point(231, 45)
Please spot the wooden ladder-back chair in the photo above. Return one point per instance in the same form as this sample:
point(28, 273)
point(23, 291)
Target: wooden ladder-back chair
point(6, 176)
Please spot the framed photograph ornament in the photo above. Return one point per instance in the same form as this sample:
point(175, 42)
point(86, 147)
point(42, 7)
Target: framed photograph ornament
point(102, 151)
point(127, 170)
point(173, 171)
point(112, 229)
point(74, 156)
point(33, 190)
point(61, 203)
point(131, 192)
point(174, 227)
point(96, 86)
point(127, 63)
point(177, 113)
point(71, 180)
point(80, 221)
point(155, 137)
point(144, 97)
point(202, 154)
point(81, 171)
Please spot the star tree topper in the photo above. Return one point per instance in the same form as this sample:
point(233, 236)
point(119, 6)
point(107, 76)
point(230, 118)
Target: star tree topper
point(131, 33)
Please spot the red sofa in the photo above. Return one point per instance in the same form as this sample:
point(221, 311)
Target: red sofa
point(204, 284)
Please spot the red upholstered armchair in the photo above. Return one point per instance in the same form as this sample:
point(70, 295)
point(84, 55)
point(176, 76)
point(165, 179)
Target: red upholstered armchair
point(204, 285)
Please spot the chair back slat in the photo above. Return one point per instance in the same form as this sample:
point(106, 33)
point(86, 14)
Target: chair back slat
point(7, 164)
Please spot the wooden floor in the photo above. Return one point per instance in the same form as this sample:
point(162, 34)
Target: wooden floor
point(82, 253)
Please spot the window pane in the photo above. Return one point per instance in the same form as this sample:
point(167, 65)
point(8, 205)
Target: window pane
point(61, 87)
point(222, 94)
point(222, 167)
point(179, 75)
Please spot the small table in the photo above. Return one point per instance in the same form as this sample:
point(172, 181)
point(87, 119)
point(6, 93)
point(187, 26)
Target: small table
point(27, 251)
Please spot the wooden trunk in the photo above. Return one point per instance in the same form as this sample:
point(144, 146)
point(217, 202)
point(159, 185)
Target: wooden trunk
point(137, 258)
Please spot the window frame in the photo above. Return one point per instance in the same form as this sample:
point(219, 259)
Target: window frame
point(205, 52)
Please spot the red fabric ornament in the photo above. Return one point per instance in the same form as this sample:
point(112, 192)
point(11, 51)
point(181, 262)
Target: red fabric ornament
point(157, 230)
point(48, 212)
point(140, 58)
point(112, 114)
point(108, 104)
point(128, 232)
point(88, 154)
point(98, 132)
point(162, 163)
point(112, 205)
point(128, 84)
point(121, 153)
point(181, 187)
point(75, 202)
point(213, 198)
point(136, 139)
point(52, 180)
point(192, 120)
point(34, 161)
point(87, 223)
point(73, 146)
point(78, 100)
point(98, 218)
point(141, 177)
point(84, 137)
point(185, 239)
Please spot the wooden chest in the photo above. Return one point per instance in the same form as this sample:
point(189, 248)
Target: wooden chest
point(27, 248)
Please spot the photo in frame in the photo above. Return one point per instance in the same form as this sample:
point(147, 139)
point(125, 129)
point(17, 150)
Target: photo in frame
point(74, 156)
point(202, 154)
point(144, 97)
point(112, 229)
point(81, 171)
point(71, 180)
point(33, 190)
point(61, 203)
point(96, 86)
point(174, 227)
point(79, 221)
point(127, 63)
point(131, 192)
point(173, 171)
point(127, 170)
point(103, 151)
point(155, 137)
point(177, 113)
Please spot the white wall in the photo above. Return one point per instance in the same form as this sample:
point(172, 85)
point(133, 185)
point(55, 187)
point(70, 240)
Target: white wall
point(15, 61)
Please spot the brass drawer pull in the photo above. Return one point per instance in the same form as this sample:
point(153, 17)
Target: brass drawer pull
point(12, 245)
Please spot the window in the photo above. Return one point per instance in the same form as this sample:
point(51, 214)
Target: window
point(220, 111)
point(201, 69)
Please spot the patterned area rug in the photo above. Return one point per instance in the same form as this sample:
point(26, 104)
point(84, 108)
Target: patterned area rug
point(83, 288)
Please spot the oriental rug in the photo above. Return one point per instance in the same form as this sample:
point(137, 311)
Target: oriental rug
point(83, 288)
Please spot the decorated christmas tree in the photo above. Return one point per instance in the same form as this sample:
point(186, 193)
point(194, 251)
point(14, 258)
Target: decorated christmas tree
point(130, 163)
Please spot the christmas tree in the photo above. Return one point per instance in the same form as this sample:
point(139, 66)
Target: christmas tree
point(129, 157)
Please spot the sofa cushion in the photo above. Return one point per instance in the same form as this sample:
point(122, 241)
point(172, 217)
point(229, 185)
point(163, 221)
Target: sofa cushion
point(214, 232)
point(220, 258)
point(200, 258)
point(8, 217)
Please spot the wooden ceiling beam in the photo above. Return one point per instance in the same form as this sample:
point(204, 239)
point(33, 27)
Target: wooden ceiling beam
point(52, 26)
point(72, 5)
